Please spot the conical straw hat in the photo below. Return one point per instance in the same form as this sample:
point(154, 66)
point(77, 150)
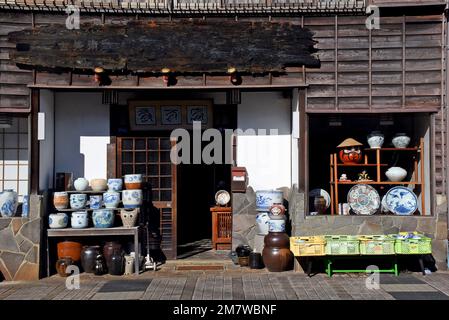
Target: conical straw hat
point(349, 143)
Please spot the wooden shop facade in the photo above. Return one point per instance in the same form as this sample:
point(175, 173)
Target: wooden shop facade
point(312, 70)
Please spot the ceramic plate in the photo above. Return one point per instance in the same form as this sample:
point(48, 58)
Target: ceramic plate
point(323, 193)
point(222, 197)
point(363, 199)
point(401, 201)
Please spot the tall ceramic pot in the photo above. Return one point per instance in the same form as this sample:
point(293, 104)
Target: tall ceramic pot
point(117, 263)
point(8, 203)
point(108, 249)
point(276, 253)
point(88, 258)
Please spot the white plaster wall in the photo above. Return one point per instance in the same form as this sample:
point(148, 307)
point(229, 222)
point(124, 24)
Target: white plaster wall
point(267, 158)
point(46, 146)
point(81, 134)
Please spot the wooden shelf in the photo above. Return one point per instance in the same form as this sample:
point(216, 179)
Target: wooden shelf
point(379, 183)
point(87, 209)
point(392, 149)
point(361, 165)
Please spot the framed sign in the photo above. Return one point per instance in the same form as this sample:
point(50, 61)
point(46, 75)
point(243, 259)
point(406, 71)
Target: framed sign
point(169, 114)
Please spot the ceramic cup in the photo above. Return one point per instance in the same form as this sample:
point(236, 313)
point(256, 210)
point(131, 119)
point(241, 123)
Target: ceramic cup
point(132, 198)
point(111, 199)
point(58, 220)
point(95, 201)
point(78, 200)
point(80, 219)
point(115, 184)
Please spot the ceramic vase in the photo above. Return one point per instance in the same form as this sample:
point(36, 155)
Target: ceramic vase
point(117, 263)
point(98, 185)
point(401, 140)
point(70, 249)
point(132, 198)
point(111, 199)
point(61, 200)
point(115, 184)
point(276, 253)
point(103, 218)
point(81, 184)
point(58, 220)
point(79, 220)
point(88, 258)
point(108, 249)
point(129, 217)
point(396, 174)
point(262, 220)
point(62, 264)
point(8, 203)
point(78, 201)
point(266, 198)
point(133, 181)
point(376, 139)
point(256, 261)
point(100, 266)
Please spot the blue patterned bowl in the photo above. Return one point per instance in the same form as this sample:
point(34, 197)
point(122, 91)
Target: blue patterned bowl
point(115, 184)
point(103, 218)
point(266, 198)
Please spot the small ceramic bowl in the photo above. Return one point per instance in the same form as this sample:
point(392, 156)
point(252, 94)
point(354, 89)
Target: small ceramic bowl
point(58, 220)
point(98, 184)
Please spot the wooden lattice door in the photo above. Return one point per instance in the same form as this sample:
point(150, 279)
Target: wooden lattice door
point(151, 158)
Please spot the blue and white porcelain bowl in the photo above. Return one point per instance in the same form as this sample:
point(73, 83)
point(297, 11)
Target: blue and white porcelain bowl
point(401, 201)
point(58, 220)
point(115, 184)
point(401, 140)
point(376, 139)
point(111, 199)
point(80, 220)
point(103, 218)
point(132, 198)
point(95, 201)
point(78, 201)
point(8, 203)
point(266, 198)
point(276, 225)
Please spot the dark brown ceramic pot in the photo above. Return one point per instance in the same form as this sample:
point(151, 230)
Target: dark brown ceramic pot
point(276, 254)
point(117, 263)
point(88, 258)
point(62, 264)
point(109, 249)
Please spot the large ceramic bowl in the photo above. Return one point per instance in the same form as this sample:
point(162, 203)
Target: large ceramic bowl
point(98, 185)
point(133, 181)
point(401, 140)
point(69, 249)
point(132, 198)
point(276, 225)
point(79, 220)
point(115, 184)
point(266, 198)
point(396, 174)
point(78, 200)
point(58, 220)
point(111, 199)
point(60, 200)
point(103, 218)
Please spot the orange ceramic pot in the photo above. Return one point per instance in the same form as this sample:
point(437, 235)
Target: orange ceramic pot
point(350, 155)
point(61, 200)
point(133, 185)
point(69, 249)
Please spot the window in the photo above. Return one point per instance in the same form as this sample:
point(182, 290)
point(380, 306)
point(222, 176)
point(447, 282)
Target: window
point(14, 157)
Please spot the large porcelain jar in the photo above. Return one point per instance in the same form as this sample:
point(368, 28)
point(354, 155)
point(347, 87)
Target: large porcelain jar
point(58, 220)
point(376, 139)
point(8, 203)
point(61, 200)
point(266, 198)
point(81, 184)
point(103, 218)
point(80, 220)
point(396, 174)
point(88, 258)
point(401, 140)
point(276, 253)
point(115, 184)
point(111, 199)
point(132, 198)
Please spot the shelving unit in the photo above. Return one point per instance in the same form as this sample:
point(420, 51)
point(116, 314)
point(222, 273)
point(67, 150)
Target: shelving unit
point(417, 178)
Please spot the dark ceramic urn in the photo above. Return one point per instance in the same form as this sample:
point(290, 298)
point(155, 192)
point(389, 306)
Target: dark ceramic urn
point(88, 258)
point(117, 263)
point(276, 253)
point(108, 250)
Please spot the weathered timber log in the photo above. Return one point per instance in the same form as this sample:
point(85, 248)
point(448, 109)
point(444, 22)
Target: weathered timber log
point(182, 46)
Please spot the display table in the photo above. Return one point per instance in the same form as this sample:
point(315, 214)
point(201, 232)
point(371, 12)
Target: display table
point(329, 260)
point(94, 232)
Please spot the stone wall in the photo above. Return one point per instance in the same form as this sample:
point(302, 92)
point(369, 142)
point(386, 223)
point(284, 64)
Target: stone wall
point(435, 227)
point(20, 240)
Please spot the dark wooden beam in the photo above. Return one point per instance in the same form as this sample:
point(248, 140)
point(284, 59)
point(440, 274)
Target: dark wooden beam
point(183, 46)
point(34, 143)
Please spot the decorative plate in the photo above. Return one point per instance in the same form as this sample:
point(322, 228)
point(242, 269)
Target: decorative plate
point(321, 192)
point(363, 199)
point(401, 201)
point(222, 197)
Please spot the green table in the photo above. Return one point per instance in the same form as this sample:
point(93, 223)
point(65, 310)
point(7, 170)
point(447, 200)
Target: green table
point(330, 259)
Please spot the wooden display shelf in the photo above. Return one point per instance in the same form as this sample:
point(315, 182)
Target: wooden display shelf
point(417, 178)
point(88, 209)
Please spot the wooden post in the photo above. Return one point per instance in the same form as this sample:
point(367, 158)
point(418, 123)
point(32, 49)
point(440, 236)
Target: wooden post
point(336, 182)
point(332, 181)
point(378, 164)
point(423, 184)
point(34, 143)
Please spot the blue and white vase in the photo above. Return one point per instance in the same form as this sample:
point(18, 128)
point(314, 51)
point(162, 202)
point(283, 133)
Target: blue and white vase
point(58, 220)
point(262, 220)
point(8, 203)
point(132, 198)
point(80, 219)
point(103, 218)
point(26, 206)
point(115, 184)
point(78, 201)
point(266, 198)
point(111, 199)
point(95, 201)
point(276, 225)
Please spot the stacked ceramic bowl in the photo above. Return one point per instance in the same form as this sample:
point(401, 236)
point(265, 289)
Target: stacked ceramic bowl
point(132, 196)
point(271, 217)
